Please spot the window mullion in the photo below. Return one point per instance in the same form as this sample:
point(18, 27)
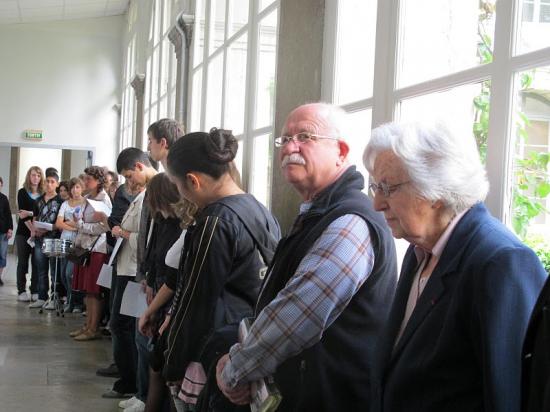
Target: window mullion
point(250, 99)
point(387, 25)
point(500, 121)
point(206, 61)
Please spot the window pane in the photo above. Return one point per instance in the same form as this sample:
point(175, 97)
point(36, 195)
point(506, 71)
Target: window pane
point(196, 102)
point(166, 17)
point(357, 137)
point(440, 37)
point(264, 4)
point(265, 99)
point(217, 18)
point(464, 109)
point(214, 96)
point(198, 37)
point(147, 91)
point(155, 75)
point(261, 168)
point(163, 107)
point(165, 66)
point(156, 17)
point(530, 173)
point(534, 28)
point(355, 50)
point(235, 89)
point(239, 157)
point(238, 15)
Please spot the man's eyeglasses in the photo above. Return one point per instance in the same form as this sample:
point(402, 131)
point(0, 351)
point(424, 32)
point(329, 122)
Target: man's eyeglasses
point(385, 188)
point(302, 137)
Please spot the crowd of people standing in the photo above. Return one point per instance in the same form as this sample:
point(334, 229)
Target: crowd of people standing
point(332, 325)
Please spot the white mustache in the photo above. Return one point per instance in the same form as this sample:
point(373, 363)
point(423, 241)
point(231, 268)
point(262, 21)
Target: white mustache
point(295, 158)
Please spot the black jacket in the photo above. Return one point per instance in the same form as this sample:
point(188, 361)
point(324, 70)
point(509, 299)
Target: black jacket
point(220, 280)
point(333, 375)
point(535, 379)
point(6, 222)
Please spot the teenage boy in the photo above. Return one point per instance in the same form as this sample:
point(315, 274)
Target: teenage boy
point(46, 209)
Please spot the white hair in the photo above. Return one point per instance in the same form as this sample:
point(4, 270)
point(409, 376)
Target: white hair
point(440, 166)
point(331, 118)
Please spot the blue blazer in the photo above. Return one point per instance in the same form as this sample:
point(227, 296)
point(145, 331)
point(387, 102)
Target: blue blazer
point(461, 348)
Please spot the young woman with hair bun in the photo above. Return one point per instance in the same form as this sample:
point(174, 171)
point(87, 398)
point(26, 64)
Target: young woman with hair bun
point(224, 256)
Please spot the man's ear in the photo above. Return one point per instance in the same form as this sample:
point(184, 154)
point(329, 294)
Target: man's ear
point(344, 149)
point(138, 167)
point(164, 143)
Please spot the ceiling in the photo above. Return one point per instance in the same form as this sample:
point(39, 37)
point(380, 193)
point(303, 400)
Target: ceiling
point(30, 11)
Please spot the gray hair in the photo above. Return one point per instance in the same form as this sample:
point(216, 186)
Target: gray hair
point(440, 166)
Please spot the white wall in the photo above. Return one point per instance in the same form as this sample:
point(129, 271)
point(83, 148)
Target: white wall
point(41, 157)
point(64, 78)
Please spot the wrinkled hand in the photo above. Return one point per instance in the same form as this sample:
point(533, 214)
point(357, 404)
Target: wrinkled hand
point(39, 232)
point(240, 394)
point(164, 324)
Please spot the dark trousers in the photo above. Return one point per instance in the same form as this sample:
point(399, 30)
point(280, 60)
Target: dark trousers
point(143, 345)
point(123, 339)
point(24, 251)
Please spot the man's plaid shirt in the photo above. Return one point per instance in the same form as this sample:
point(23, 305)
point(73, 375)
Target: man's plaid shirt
point(324, 283)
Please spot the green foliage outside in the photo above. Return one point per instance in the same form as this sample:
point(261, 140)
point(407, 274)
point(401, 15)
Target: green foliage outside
point(531, 178)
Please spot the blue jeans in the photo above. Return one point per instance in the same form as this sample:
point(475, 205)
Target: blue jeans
point(3, 249)
point(123, 339)
point(66, 268)
point(144, 346)
point(43, 265)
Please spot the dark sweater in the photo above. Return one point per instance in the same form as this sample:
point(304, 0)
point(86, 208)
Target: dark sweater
point(24, 202)
point(165, 233)
point(334, 374)
point(6, 222)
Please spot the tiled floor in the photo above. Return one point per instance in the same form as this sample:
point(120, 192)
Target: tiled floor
point(41, 368)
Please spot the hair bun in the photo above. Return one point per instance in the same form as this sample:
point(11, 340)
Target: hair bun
point(221, 145)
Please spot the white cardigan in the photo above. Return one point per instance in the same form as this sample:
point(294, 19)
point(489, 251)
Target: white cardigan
point(126, 262)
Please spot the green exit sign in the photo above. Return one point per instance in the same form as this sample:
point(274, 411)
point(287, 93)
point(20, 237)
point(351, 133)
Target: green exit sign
point(34, 134)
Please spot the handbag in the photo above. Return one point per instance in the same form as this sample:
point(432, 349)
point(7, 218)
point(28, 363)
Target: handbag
point(81, 256)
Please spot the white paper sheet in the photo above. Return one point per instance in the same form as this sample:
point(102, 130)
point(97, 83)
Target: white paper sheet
point(30, 242)
point(115, 250)
point(105, 276)
point(134, 300)
point(42, 225)
point(99, 206)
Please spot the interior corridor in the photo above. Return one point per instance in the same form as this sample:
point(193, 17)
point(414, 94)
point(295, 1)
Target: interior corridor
point(41, 367)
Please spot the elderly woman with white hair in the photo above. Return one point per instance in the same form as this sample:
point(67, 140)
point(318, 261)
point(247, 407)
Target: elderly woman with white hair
point(453, 338)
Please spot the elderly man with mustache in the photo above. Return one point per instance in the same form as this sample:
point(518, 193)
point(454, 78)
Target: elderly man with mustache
point(329, 285)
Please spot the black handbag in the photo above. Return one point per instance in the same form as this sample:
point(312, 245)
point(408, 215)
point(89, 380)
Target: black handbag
point(81, 256)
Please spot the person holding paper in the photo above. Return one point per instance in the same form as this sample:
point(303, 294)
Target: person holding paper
point(32, 189)
point(226, 252)
point(66, 222)
point(91, 235)
point(45, 212)
point(136, 168)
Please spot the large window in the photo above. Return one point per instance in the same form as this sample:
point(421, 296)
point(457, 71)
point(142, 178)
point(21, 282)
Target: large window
point(232, 80)
point(481, 66)
point(128, 114)
point(161, 69)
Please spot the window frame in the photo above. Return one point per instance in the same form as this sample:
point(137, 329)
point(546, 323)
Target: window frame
point(502, 70)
